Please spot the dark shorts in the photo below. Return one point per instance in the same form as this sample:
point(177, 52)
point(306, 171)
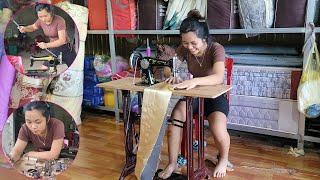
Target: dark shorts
point(220, 104)
point(68, 55)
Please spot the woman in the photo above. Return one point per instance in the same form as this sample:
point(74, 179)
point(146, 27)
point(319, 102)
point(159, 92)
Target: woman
point(54, 27)
point(205, 61)
point(44, 132)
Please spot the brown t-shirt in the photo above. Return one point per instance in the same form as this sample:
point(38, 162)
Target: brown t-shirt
point(55, 131)
point(214, 53)
point(51, 30)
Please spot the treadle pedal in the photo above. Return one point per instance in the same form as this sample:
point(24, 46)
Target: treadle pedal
point(195, 145)
point(174, 176)
point(181, 161)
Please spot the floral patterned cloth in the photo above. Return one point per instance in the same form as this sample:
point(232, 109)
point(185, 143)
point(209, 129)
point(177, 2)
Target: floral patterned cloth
point(256, 14)
point(68, 89)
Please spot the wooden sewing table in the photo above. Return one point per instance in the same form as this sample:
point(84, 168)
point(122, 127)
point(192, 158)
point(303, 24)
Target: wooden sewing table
point(126, 85)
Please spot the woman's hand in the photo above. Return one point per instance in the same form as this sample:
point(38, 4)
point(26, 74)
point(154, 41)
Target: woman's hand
point(31, 154)
point(42, 45)
point(173, 80)
point(12, 159)
point(22, 29)
point(188, 84)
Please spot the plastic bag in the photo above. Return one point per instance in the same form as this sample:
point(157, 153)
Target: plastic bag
point(309, 87)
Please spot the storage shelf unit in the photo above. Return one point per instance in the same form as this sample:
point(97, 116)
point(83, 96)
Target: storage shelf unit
point(98, 32)
point(304, 30)
point(212, 31)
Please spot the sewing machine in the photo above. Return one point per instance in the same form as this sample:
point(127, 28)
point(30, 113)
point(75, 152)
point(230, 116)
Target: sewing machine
point(147, 64)
point(52, 60)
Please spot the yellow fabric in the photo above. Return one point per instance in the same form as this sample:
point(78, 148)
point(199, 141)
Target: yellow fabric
point(154, 107)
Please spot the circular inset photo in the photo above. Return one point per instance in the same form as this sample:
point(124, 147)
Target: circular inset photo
point(41, 40)
point(40, 139)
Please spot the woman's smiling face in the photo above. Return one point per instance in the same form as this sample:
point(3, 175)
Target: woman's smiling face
point(193, 43)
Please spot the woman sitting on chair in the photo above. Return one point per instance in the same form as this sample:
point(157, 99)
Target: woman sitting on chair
point(205, 60)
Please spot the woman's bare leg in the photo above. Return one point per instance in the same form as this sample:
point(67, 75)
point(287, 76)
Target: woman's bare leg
point(218, 128)
point(174, 138)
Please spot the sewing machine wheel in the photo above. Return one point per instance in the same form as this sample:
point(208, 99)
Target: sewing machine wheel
point(134, 58)
point(144, 64)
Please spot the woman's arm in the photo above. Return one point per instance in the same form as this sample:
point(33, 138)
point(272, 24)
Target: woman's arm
point(49, 155)
point(30, 28)
point(59, 42)
point(216, 78)
point(17, 150)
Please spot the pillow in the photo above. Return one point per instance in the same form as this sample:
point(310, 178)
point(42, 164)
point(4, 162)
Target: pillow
point(290, 13)
point(222, 14)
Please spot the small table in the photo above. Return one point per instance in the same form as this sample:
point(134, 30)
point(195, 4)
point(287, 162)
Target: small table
point(201, 92)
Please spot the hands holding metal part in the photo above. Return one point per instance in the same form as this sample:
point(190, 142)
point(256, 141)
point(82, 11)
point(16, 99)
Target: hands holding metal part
point(177, 83)
point(22, 29)
point(42, 45)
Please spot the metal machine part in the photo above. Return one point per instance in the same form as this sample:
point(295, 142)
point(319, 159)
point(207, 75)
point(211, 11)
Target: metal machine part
point(146, 65)
point(52, 60)
point(45, 169)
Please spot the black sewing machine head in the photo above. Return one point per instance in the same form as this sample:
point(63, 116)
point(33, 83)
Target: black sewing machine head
point(52, 61)
point(146, 65)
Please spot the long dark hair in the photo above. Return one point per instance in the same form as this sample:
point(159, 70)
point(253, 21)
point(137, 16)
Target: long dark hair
point(195, 23)
point(41, 106)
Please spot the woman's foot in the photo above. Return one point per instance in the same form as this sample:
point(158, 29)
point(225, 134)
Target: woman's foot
point(166, 173)
point(221, 169)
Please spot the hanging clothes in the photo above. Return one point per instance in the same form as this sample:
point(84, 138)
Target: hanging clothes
point(178, 10)
point(7, 71)
point(7, 75)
